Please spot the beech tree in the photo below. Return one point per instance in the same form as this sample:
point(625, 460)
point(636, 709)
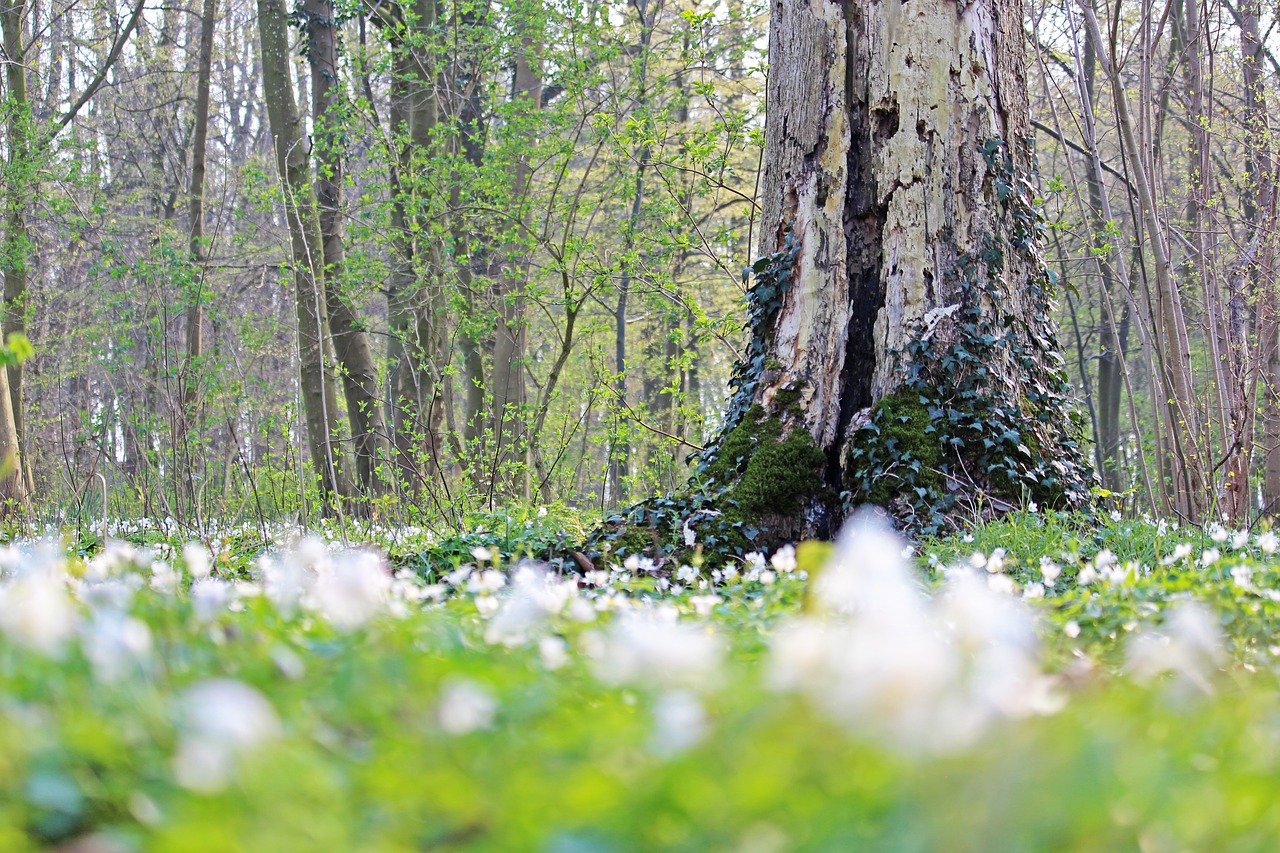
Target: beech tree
point(315, 353)
point(901, 353)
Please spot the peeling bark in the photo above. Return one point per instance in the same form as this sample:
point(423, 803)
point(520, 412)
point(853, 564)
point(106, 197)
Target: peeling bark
point(878, 112)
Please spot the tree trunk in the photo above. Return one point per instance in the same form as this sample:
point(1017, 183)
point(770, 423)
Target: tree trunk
point(350, 343)
point(1259, 204)
point(16, 248)
point(507, 428)
point(319, 390)
point(192, 367)
point(901, 350)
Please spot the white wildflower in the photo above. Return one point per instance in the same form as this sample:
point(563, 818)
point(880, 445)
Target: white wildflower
point(1189, 647)
point(164, 577)
point(703, 604)
point(35, 610)
point(1002, 584)
point(1071, 629)
point(1268, 542)
point(114, 642)
point(679, 723)
point(648, 645)
point(196, 558)
point(889, 661)
point(535, 596)
point(209, 598)
point(784, 559)
point(1180, 552)
point(553, 651)
point(1242, 576)
point(486, 582)
point(465, 707)
point(222, 719)
point(351, 590)
point(1209, 556)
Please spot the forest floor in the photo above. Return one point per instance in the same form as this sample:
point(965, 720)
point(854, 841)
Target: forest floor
point(1032, 685)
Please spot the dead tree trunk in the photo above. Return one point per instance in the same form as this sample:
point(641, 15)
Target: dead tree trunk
point(901, 353)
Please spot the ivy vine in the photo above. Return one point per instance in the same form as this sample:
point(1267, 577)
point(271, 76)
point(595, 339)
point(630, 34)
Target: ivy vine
point(960, 427)
point(707, 516)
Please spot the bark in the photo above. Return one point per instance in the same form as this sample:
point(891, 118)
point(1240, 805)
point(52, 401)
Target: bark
point(507, 428)
point(415, 306)
point(1260, 219)
point(199, 254)
point(1115, 333)
point(620, 455)
point(472, 253)
point(878, 116)
point(17, 237)
point(350, 343)
point(315, 356)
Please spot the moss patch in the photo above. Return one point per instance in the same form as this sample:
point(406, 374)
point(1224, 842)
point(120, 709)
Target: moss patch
point(768, 472)
point(905, 435)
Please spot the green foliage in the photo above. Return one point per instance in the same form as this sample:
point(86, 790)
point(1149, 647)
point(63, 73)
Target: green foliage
point(912, 455)
point(366, 755)
point(16, 349)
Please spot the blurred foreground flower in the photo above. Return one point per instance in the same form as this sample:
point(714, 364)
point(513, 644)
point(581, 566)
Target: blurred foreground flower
point(465, 707)
point(647, 645)
point(1189, 647)
point(221, 721)
point(888, 661)
point(35, 609)
point(535, 596)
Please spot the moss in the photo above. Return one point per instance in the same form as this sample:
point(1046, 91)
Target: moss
point(738, 445)
point(903, 432)
point(771, 472)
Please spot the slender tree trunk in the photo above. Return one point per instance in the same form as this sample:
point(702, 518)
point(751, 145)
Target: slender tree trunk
point(507, 427)
point(1177, 386)
point(1111, 358)
point(350, 343)
point(16, 248)
point(319, 389)
point(470, 252)
point(620, 456)
point(421, 312)
point(192, 368)
point(1259, 206)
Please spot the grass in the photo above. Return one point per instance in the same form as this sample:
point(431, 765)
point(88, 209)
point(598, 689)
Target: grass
point(305, 700)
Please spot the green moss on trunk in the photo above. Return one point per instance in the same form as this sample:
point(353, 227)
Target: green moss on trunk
point(770, 469)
